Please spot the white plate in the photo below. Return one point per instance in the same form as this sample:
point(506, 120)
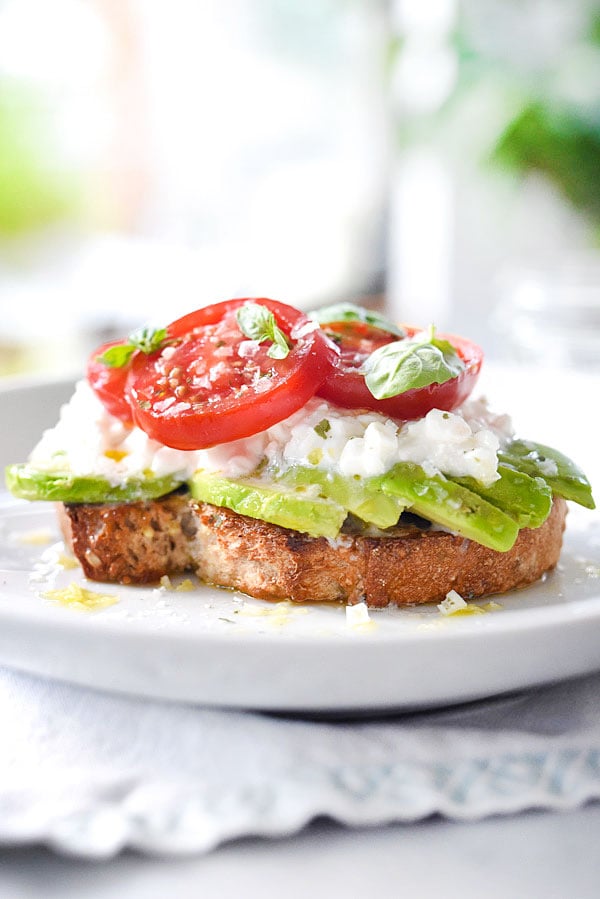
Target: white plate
point(216, 647)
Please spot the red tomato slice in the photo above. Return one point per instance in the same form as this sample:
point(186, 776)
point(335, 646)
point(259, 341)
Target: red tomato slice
point(210, 384)
point(346, 387)
point(109, 384)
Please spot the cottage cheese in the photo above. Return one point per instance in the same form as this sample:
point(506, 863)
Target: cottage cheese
point(89, 441)
point(367, 444)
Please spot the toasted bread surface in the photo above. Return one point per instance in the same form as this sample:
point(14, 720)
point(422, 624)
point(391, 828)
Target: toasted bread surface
point(131, 543)
point(141, 542)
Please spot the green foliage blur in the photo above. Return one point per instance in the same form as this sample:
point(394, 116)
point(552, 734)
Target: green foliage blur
point(36, 190)
point(524, 97)
point(559, 144)
point(554, 130)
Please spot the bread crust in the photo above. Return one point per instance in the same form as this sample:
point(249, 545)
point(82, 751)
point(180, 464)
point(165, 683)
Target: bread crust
point(130, 543)
point(141, 542)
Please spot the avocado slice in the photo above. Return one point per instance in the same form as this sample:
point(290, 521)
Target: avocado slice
point(362, 497)
point(27, 482)
point(297, 508)
point(525, 499)
point(560, 473)
point(451, 505)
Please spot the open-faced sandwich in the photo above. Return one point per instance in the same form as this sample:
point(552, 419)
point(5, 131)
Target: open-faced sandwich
point(331, 457)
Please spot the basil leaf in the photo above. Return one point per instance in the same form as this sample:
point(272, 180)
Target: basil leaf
point(117, 356)
point(445, 346)
point(253, 321)
point(280, 348)
point(258, 323)
point(349, 312)
point(408, 364)
point(147, 339)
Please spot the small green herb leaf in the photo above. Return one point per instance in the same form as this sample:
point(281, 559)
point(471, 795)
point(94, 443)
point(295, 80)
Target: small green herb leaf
point(407, 364)
point(279, 348)
point(147, 340)
point(254, 320)
point(323, 428)
point(258, 323)
point(349, 312)
point(117, 356)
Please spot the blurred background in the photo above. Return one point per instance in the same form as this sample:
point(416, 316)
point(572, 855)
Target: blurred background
point(439, 160)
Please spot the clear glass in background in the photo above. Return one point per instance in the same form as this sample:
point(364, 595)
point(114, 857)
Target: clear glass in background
point(551, 318)
point(496, 115)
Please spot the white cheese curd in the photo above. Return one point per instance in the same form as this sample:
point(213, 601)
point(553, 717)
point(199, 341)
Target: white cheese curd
point(452, 604)
point(479, 415)
point(372, 454)
point(357, 615)
point(89, 441)
point(368, 444)
point(446, 442)
point(316, 435)
point(84, 434)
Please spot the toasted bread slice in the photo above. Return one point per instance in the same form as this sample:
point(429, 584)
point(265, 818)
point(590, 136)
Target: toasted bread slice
point(138, 543)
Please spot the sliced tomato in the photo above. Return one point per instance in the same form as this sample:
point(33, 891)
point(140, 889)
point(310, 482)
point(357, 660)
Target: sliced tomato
point(109, 383)
point(209, 384)
point(345, 386)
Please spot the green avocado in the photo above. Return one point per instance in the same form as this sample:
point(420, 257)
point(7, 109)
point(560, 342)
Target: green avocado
point(362, 497)
point(27, 482)
point(525, 499)
point(298, 508)
point(316, 502)
point(451, 505)
point(561, 474)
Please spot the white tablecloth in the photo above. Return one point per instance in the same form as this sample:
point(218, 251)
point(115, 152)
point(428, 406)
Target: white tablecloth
point(91, 773)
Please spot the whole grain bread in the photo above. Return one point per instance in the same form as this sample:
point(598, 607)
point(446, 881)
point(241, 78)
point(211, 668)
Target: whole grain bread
point(140, 542)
